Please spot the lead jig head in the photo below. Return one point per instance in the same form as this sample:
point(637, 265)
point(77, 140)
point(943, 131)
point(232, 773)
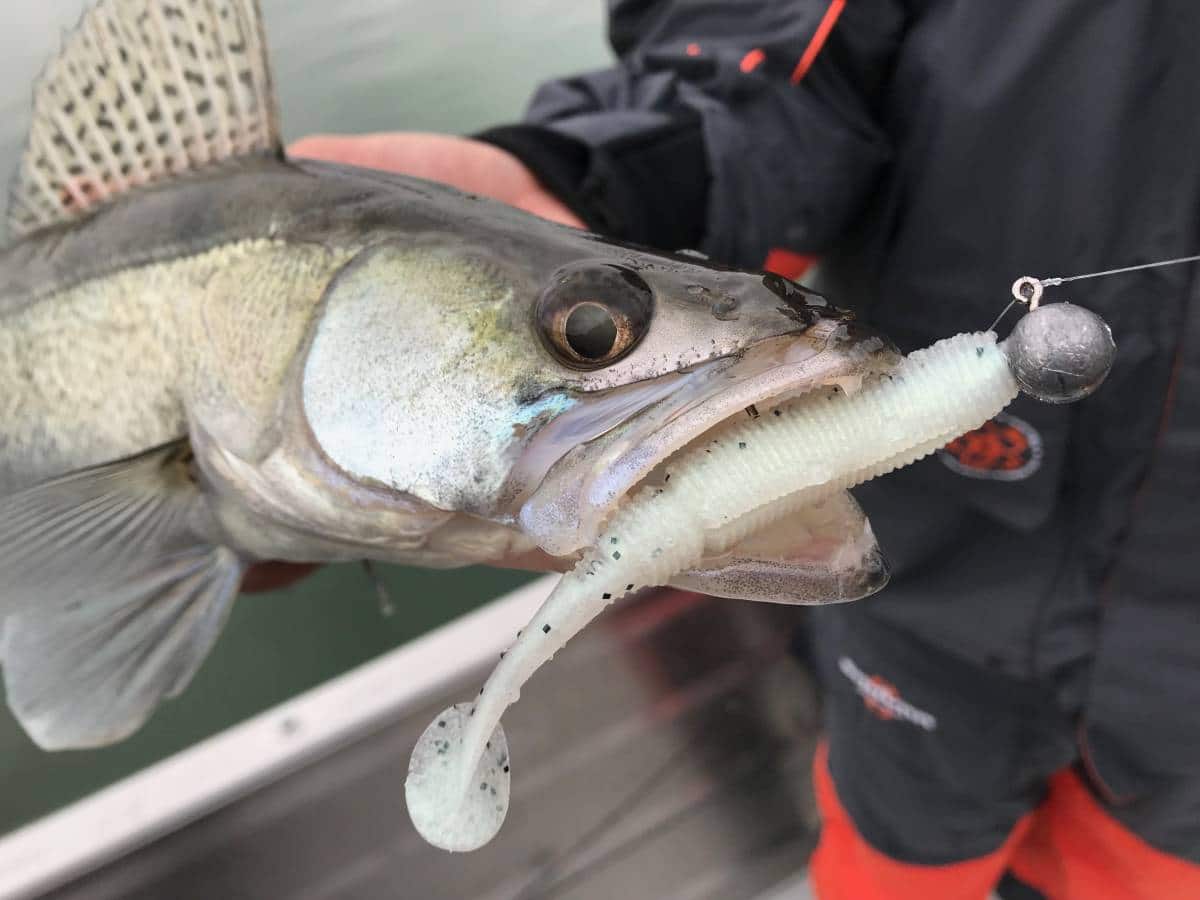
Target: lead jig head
point(1058, 353)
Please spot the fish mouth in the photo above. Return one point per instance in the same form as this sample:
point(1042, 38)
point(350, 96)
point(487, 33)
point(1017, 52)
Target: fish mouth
point(634, 432)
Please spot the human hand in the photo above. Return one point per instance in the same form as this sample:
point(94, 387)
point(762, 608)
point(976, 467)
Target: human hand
point(466, 164)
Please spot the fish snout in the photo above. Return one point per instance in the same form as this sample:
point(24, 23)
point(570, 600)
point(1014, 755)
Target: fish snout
point(862, 342)
point(739, 310)
point(772, 300)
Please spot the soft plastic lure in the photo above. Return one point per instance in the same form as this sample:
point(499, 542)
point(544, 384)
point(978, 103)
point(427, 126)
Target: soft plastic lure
point(744, 478)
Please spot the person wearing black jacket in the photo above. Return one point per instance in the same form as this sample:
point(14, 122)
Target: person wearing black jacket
point(1024, 698)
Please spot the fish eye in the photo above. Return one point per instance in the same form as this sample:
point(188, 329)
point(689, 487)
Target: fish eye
point(591, 315)
point(590, 330)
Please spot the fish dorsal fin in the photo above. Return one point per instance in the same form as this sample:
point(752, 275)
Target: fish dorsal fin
point(143, 90)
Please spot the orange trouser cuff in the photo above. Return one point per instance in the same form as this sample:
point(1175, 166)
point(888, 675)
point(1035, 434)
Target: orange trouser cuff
point(1076, 851)
point(845, 867)
point(1069, 848)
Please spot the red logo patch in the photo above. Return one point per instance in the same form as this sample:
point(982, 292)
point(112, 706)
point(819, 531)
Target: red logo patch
point(882, 698)
point(1003, 449)
point(874, 700)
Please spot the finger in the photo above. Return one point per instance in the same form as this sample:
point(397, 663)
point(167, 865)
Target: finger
point(550, 207)
point(368, 150)
point(465, 164)
point(271, 576)
point(468, 165)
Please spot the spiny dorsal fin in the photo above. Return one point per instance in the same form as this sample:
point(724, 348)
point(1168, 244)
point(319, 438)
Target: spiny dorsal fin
point(143, 89)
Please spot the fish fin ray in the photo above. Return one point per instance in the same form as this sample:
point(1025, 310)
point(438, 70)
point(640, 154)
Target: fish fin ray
point(143, 90)
point(94, 525)
point(112, 593)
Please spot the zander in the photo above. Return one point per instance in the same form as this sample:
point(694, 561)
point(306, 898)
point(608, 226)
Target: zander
point(212, 355)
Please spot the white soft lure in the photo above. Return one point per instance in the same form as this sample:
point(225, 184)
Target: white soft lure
point(751, 474)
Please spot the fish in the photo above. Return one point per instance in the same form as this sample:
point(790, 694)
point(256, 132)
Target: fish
point(214, 355)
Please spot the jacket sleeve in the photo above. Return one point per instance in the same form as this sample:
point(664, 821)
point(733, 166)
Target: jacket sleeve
point(735, 126)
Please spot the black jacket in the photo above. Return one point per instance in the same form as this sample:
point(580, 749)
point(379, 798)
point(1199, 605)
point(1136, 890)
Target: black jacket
point(934, 151)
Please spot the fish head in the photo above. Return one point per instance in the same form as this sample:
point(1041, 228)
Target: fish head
point(532, 375)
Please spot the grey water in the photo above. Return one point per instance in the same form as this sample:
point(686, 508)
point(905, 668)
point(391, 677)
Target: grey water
point(360, 65)
point(356, 66)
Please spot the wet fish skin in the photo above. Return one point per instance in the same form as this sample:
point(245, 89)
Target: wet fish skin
point(185, 308)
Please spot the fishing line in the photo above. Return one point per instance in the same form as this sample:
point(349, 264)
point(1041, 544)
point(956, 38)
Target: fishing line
point(1003, 313)
point(1054, 282)
point(1027, 290)
point(383, 596)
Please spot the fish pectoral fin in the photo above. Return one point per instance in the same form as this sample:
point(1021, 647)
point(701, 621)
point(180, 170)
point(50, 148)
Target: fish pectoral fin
point(143, 90)
point(825, 553)
point(90, 671)
point(112, 592)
